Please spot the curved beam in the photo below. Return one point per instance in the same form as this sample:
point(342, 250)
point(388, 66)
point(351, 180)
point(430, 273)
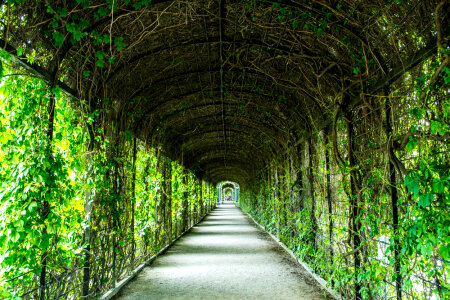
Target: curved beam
point(221, 173)
point(252, 141)
point(166, 117)
point(204, 159)
point(272, 145)
point(177, 98)
point(238, 91)
point(206, 104)
point(220, 184)
point(211, 40)
point(211, 146)
point(190, 93)
point(198, 135)
point(244, 164)
point(254, 122)
point(213, 70)
point(213, 151)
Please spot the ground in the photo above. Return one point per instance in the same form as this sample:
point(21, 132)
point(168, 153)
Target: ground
point(224, 257)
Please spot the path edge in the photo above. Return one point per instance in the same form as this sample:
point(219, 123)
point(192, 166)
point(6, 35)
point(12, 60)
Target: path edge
point(119, 285)
point(322, 282)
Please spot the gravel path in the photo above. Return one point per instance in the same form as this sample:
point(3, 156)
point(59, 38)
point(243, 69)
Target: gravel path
point(224, 257)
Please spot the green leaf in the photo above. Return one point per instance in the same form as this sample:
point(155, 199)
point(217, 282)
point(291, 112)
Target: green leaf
point(425, 200)
point(32, 206)
point(5, 55)
point(54, 23)
point(118, 41)
point(56, 90)
point(59, 38)
point(100, 54)
point(438, 128)
point(438, 186)
point(417, 113)
point(412, 183)
point(411, 144)
point(101, 12)
point(15, 236)
point(45, 241)
point(445, 251)
point(100, 63)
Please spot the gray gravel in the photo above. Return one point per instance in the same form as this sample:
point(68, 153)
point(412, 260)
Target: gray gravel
point(224, 257)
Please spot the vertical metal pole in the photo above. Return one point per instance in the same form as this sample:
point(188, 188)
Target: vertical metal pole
point(201, 198)
point(45, 205)
point(133, 204)
point(311, 190)
point(394, 201)
point(115, 217)
point(329, 200)
point(354, 206)
point(185, 212)
point(168, 192)
point(88, 213)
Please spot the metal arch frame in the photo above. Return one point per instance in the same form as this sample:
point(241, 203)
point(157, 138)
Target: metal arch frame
point(210, 149)
point(251, 123)
point(212, 40)
point(150, 111)
point(220, 190)
point(273, 145)
point(164, 115)
point(250, 93)
point(217, 174)
point(390, 77)
point(214, 170)
point(142, 90)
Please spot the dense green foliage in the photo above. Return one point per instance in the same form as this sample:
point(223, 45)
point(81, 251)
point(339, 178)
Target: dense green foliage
point(332, 200)
point(47, 180)
point(342, 153)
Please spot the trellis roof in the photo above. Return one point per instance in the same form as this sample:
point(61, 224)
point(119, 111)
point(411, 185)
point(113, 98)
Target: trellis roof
point(224, 86)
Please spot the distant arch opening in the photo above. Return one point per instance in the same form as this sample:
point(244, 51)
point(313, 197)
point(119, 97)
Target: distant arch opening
point(228, 191)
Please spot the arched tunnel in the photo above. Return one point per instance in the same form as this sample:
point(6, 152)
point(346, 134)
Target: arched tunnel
point(328, 122)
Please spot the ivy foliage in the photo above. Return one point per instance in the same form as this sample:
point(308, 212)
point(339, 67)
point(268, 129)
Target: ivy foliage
point(47, 181)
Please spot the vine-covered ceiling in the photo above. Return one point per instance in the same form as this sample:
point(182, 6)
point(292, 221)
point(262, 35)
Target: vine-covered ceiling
point(222, 86)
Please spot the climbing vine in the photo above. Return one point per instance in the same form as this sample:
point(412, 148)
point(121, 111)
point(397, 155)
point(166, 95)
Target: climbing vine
point(343, 186)
point(334, 115)
point(81, 196)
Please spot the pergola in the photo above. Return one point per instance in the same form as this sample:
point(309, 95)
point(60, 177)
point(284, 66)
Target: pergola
point(221, 86)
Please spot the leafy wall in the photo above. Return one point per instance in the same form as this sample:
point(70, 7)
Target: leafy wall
point(332, 116)
point(83, 206)
point(365, 201)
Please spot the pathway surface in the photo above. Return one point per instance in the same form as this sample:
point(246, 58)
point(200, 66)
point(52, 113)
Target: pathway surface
point(224, 257)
